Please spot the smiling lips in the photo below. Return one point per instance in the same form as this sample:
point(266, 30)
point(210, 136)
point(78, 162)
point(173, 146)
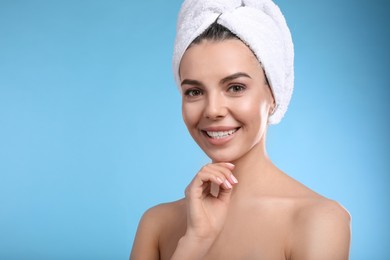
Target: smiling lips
point(219, 136)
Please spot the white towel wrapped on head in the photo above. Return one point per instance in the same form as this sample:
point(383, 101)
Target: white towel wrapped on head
point(259, 24)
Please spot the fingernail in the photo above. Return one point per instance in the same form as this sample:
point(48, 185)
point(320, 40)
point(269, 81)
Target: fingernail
point(228, 184)
point(220, 181)
point(230, 164)
point(233, 178)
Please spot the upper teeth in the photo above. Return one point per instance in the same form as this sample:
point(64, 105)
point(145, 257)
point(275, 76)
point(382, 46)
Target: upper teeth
point(220, 134)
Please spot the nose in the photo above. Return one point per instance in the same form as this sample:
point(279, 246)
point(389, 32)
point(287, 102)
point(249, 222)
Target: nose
point(215, 107)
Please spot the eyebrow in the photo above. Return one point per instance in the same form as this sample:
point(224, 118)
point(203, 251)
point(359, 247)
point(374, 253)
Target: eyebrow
point(191, 82)
point(222, 81)
point(234, 76)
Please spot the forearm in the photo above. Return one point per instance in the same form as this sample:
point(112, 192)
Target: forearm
point(189, 248)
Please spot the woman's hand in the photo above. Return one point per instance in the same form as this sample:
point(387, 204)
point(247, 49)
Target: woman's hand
point(206, 213)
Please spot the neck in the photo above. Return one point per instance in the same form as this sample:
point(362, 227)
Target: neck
point(253, 168)
point(255, 158)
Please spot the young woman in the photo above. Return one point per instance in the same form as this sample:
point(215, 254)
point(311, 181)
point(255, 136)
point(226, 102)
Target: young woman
point(240, 206)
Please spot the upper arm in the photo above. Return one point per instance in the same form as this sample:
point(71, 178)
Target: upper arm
point(145, 246)
point(324, 234)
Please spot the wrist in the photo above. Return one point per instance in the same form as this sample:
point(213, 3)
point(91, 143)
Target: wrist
point(192, 248)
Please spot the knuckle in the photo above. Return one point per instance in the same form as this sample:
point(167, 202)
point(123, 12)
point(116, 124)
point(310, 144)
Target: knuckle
point(187, 191)
point(205, 168)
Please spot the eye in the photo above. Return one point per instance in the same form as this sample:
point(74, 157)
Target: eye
point(235, 89)
point(193, 92)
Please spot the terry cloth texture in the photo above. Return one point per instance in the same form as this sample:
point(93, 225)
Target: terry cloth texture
point(259, 24)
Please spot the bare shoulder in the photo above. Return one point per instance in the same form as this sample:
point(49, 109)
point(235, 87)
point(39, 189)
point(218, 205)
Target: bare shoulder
point(315, 208)
point(165, 212)
point(153, 224)
point(321, 230)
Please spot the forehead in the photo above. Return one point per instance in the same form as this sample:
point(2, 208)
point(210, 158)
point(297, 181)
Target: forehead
point(218, 58)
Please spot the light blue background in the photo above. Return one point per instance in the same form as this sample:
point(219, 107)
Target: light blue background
point(91, 132)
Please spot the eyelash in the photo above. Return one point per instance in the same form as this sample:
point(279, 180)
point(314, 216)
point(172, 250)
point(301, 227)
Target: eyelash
point(190, 92)
point(241, 88)
point(233, 89)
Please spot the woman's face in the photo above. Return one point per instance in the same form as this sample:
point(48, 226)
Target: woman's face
point(226, 100)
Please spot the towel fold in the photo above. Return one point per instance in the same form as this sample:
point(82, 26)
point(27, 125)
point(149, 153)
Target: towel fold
point(259, 24)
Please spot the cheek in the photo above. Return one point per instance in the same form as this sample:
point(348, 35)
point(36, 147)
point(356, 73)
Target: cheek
point(253, 109)
point(189, 114)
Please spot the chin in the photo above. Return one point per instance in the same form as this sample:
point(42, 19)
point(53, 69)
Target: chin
point(222, 157)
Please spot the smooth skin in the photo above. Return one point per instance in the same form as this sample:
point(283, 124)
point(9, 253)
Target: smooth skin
point(259, 212)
